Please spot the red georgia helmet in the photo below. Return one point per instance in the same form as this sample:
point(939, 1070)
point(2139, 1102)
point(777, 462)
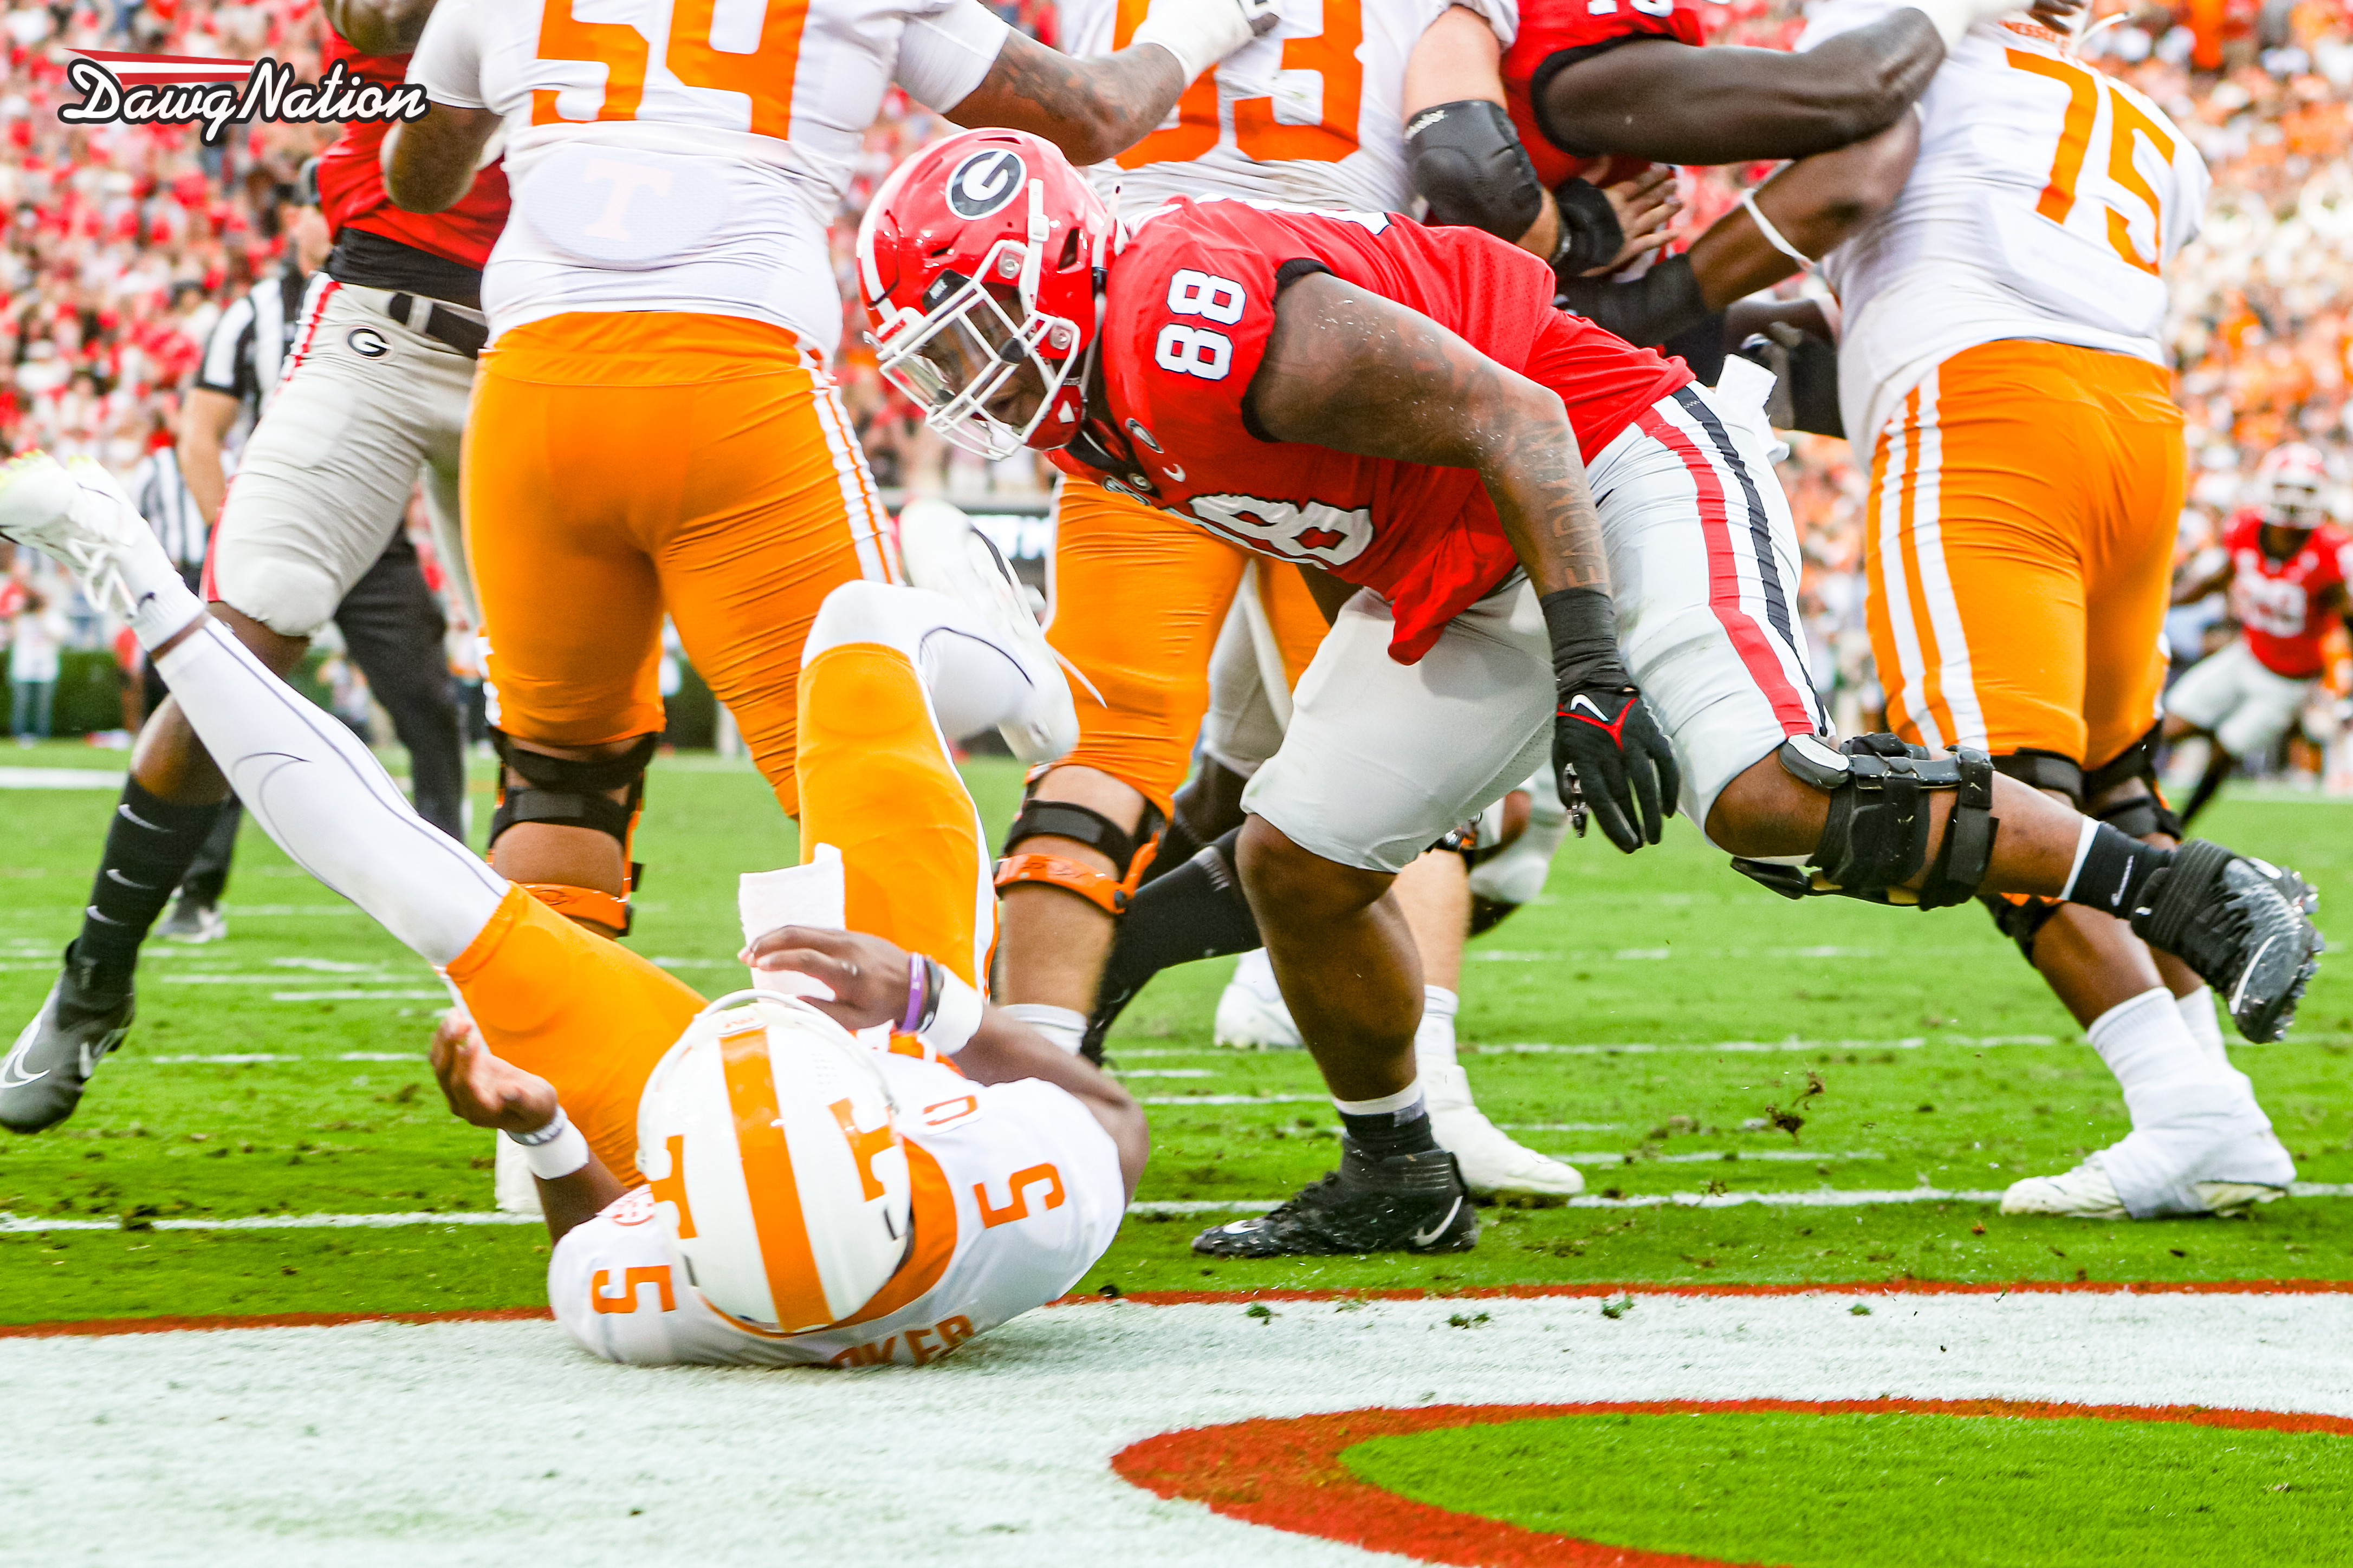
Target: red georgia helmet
point(2292, 486)
point(959, 231)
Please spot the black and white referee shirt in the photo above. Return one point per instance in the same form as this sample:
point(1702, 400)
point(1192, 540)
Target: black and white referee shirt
point(249, 344)
point(162, 496)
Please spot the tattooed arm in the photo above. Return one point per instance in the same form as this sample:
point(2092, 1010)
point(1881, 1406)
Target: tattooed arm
point(1349, 370)
point(1091, 108)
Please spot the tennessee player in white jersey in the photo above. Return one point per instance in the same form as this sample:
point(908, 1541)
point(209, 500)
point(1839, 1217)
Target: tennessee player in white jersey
point(802, 1195)
point(2003, 374)
point(656, 428)
point(1314, 114)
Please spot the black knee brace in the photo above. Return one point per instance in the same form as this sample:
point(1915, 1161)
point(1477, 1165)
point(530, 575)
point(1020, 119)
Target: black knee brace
point(1133, 852)
point(1879, 828)
point(576, 793)
point(2109, 793)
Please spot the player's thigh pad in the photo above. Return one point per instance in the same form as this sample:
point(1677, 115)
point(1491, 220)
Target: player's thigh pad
point(1384, 759)
point(582, 1012)
point(327, 475)
point(1705, 566)
point(2268, 708)
point(1138, 598)
point(2211, 690)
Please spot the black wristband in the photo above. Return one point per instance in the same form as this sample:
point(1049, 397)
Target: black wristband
point(1590, 234)
point(1647, 311)
point(1582, 624)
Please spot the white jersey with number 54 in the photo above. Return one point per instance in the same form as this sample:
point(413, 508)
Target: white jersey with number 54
point(683, 155)
point(1310, 115)
point(2048, 200)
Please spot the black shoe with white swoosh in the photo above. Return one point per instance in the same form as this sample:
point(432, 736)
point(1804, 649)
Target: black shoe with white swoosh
point(1407, 1203)
point(43, 1075)
point(2245, 927)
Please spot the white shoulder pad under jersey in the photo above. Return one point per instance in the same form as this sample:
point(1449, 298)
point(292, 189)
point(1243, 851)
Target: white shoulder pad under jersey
point(2048, 199)
point(682, 154)
point(1017, 1192)
point(1311, 114)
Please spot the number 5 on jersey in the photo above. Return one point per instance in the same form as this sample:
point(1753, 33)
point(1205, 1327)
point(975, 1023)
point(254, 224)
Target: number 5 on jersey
point(1199, 351)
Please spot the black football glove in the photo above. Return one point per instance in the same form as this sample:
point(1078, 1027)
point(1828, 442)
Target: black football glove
point(1611, 756)
point(1608, 754)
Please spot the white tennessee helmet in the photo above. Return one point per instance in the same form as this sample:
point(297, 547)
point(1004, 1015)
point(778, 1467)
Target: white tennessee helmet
point(768, 1134)
point(2292, 486)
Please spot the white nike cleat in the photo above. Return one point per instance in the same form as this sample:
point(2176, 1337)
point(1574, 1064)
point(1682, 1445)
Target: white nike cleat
point(1251, 1014)
point(1493, 1164)
point(77, 513)
point(946, 554)
point(2084, 1193)
point(2087, 1193)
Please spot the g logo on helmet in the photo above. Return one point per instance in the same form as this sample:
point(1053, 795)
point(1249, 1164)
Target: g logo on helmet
point(985, 182)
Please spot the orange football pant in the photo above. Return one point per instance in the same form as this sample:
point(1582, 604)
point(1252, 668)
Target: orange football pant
point(878, 783)
point(1138, 599)
point(2019, 549)
point(621, 463)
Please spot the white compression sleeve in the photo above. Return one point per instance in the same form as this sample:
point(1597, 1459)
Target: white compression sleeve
point(974, 678)
point(327, 800)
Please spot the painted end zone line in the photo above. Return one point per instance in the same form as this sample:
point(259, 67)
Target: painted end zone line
point(1634, 1289)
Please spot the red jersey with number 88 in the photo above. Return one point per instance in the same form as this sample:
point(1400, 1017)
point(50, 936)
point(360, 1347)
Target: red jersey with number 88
point(2280, 602)
point(1190, 304)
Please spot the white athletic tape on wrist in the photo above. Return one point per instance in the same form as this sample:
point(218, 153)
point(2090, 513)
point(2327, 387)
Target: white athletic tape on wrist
point(555, 1150)
point(1951, 18)
point(1773, 237)
point(955, 1020)
point(1199, 34)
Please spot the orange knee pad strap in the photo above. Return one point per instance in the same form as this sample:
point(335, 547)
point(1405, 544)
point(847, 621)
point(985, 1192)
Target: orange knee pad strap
point(1106, 892)
point(585, 903)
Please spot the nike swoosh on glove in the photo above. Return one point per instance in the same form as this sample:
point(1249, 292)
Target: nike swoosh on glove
point(1611, 756)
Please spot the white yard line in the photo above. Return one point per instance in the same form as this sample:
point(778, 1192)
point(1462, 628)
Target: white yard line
point(385, 1445)
point(59, 778)
point(1815, 1197)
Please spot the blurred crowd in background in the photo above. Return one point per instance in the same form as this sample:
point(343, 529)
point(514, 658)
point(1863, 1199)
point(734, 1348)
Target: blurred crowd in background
point(124, 244)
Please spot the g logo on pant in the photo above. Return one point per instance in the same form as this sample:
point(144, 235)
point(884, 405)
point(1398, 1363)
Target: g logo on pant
point(367, 342)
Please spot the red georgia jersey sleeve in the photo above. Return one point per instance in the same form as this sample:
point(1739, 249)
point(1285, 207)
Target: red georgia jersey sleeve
point(1188, 314)
point(1558, 33)
point(351, 178)
point(2243, 532)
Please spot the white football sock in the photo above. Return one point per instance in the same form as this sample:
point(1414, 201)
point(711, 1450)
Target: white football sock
point(2191, 1120)
point(1066, 1027)
point(1433, 1042)
point(2145, 1042)
point(2196, 1011)
point(162, 604)
point(1402, 1105)
point(328, 802)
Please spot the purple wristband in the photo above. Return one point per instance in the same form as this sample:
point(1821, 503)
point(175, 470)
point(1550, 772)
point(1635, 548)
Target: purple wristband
point(915, 995)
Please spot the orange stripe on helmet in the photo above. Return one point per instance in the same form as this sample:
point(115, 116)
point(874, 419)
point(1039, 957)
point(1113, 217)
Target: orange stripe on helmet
point(767, 1159)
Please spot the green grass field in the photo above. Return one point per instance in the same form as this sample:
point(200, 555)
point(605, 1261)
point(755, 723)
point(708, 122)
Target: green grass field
point(1646, 1017)
point(1891, 1490)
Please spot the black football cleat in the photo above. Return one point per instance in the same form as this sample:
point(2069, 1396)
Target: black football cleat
point(1407, 1203)
point(2245, 926)
point(42, 1077)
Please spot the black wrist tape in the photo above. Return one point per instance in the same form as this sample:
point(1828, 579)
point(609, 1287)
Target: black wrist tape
point(1647, 311)
point(1582, 624)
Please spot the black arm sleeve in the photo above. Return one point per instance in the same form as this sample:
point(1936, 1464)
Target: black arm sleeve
point(1657, 306)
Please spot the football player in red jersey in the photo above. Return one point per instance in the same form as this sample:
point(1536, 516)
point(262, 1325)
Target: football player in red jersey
point(2286, 566)
point(373, 399)
point(1401, 408)
point(1601, 88)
